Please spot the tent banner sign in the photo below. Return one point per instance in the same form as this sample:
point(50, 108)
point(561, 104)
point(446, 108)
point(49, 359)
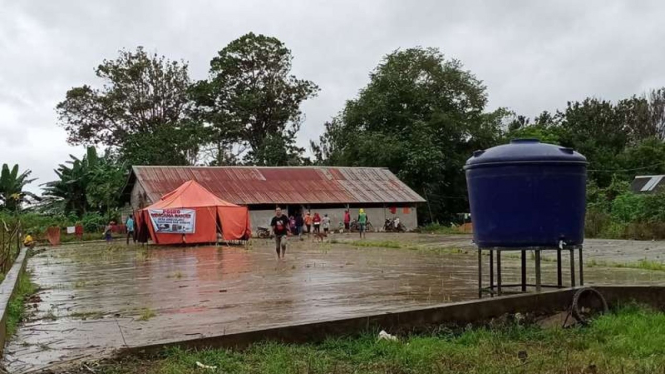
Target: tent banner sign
point(173, 221)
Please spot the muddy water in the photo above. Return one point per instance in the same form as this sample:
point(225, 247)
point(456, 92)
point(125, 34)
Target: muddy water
point(97, 298)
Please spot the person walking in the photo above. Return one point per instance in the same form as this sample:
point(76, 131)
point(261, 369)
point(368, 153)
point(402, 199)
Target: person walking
point(317, 223)
point(362, 222)
point(108, 233)
point(347, 220)
point(325, 222)
point(308, 222)
point(130, 229)
point(299, 225)
point(280, 227)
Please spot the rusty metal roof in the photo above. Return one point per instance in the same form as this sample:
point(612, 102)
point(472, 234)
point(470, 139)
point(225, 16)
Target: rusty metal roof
point(280, 185)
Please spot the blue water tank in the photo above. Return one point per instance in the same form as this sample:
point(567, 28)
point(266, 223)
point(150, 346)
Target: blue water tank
point(526, 194)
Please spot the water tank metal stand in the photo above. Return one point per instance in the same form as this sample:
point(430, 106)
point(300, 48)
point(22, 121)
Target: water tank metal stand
point(496, 285)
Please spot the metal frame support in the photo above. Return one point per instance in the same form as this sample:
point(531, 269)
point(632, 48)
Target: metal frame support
point(572, 268)
point(480, 273)
point(496, 286)
point(498, 272)
point(523, 270)
point(559, 275)
point(538, 275)
point(581, 268)
point(491, 270)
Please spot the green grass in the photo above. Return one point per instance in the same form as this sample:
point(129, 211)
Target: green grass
point(16, 308)
point(399, 245)
point(435, 228)
point(630, 341)
point(376, 243)
point(643, 264)
point(147, 314)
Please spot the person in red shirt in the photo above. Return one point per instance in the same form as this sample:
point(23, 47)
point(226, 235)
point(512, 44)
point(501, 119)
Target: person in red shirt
point(317, 222)
point(347, 220)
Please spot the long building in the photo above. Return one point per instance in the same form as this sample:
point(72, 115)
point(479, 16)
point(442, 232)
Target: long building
point(326, 190)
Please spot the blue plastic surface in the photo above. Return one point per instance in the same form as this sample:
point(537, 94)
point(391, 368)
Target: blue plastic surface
point(527, 194)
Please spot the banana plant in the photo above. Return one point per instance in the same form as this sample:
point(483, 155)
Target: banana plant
point(12, 183)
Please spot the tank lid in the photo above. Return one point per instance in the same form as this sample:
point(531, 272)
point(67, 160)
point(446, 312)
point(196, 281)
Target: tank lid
point(520, 151)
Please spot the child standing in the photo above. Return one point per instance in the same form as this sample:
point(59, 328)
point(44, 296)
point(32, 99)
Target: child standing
point(325, 223)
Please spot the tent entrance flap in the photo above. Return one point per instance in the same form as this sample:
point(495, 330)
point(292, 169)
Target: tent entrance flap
point(235, 222)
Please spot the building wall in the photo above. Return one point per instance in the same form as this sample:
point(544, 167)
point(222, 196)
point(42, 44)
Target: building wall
point(377, 216)
point(260, 218)
point(135, 199)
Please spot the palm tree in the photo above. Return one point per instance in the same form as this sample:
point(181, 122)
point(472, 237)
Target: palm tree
point(11, 188)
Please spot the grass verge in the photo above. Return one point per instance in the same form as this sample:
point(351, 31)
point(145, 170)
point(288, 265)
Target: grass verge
point(398, 245)
point(16, 307)
point(643, 264)
point(632, 340)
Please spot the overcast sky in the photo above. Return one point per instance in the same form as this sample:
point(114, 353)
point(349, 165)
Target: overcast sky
point(531, 55)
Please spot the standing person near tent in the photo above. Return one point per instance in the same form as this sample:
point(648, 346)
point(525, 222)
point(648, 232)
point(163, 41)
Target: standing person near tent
point(317, 223)
point(325, 222)
point(308, 222)
point(130, 229)
point(299, 225)
point(362, 222)
point(280, 227)
point(347, 220)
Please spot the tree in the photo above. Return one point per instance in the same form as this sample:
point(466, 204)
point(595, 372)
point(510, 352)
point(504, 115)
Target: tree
point(72, 186)
point(143, 97)
point(90, 183)
point(252, 102)
point(12, 184)
point(421, 116)
point(545, 128)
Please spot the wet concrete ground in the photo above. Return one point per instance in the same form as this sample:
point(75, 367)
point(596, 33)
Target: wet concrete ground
point(96, 298)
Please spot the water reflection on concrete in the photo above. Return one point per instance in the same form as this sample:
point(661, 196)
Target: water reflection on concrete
point(94, 296)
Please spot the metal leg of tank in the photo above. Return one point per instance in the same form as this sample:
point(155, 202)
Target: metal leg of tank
point(572, 268)
point(538, 283)
point(492, 272)
point(559, 278)
point(581, 268)
point(498, 272)
point(480, 273)
point(523, 271)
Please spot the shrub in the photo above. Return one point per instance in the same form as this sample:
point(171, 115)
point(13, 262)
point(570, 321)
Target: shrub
point(93, 222)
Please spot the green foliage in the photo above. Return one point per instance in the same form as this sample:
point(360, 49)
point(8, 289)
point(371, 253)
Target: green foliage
point(617, 213)
point(421, 116)
point(92, 182)
point(252, 101)
point(142, 101)
point(93, 221)
point(631, 340)
point(12, 184)
point(16, 307)
point(628, 207)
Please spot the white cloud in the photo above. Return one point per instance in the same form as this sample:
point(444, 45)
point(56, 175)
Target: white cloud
point(532, 55)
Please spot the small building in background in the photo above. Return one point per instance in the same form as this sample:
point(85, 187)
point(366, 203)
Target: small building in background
point(326, 190)
point(648, 184)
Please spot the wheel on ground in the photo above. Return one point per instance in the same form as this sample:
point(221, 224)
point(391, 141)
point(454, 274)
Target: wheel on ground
point(588, 302)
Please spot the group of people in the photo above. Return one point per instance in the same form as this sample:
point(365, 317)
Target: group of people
point(309, 224)
point(282, 226)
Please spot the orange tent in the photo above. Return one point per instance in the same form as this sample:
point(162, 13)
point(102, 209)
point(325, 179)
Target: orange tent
point(192, 214)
